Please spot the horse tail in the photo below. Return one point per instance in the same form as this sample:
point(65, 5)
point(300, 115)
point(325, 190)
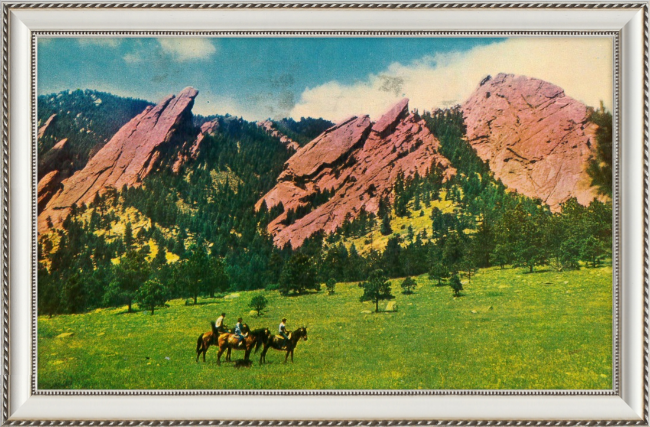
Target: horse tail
point(199, 343)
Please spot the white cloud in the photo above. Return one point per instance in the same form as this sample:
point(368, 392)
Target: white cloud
point(132, 58)
point(188, 49)
point(99, 41)
point(581, 66)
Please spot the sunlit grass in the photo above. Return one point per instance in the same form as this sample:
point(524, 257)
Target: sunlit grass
point(419, 221)
point(510, 330)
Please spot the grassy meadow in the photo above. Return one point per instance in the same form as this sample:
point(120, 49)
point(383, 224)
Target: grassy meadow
point(509, 330)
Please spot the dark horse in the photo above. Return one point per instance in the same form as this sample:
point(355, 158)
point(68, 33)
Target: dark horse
point(254, 339)
point(207, 339)
point(277, 343)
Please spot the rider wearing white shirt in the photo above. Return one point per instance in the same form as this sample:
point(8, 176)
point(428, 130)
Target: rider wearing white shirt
point(219, 323)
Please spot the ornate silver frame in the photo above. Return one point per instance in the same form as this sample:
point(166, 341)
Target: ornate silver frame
point(616, 390)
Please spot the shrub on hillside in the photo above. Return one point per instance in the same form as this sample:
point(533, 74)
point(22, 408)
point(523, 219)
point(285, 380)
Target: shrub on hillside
point(258, 303)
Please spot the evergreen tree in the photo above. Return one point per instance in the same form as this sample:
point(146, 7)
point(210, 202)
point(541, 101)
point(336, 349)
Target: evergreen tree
point(216, 279)
point(160, 258)
point(392, 259)
point(452, 254)
point(330, 284)
point(151, 295)
point(408, 285)
point(129, 275)
point(196, 271)
point(49, 297)
point(386, 229)
point(258, 303)
point(456, 285)
point(298, 275)
point(592, 251)
point(600, 168)
point(128, 236)
point(376, 288)
point(438, 272)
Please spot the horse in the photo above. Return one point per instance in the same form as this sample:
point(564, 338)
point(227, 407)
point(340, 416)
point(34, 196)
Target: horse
point(254, 339)
point(277, 343)
point(206, 340)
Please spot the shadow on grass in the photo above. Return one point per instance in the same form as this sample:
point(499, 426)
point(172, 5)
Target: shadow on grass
point(142, 310)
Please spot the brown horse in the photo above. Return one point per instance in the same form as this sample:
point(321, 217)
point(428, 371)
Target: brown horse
point(206, 340)
point(254, 339)
point(277, 343)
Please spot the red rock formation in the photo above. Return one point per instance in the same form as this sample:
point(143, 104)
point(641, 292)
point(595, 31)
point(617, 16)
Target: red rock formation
point(48, 186)
point(53, 158)
point(269, 127)
point(537, 140)
point(191, 151)
point(46, 125)
point(356, 160)
point(132, 153)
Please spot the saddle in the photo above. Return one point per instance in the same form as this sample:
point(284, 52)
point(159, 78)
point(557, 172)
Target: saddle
point(279, 338)
point(234, 341)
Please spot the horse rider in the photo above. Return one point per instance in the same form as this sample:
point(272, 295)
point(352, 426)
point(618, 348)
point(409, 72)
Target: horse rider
point(283, 331)
point(221, 328)
point(238, 331)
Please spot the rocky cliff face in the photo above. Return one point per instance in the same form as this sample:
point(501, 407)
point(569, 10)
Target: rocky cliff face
point(356, 162)
point(269, 127)
point(536, 139)
point(135, 150)
point(190, 150)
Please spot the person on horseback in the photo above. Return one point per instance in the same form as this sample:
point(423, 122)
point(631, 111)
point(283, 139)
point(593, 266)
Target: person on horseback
point(221, 328)
point(239, 331)
point(283, 331)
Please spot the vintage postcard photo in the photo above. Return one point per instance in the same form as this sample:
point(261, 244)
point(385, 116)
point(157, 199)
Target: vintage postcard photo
point(369, 213)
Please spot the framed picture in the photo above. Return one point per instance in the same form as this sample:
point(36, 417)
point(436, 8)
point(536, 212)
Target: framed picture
point(325, 212)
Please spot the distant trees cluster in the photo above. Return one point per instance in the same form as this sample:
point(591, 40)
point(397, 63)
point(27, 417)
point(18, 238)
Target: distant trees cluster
point(304, 130)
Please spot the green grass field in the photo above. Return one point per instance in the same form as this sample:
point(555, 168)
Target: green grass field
point(510, 330)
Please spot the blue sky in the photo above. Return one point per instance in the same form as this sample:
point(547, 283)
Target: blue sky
point(277, 77)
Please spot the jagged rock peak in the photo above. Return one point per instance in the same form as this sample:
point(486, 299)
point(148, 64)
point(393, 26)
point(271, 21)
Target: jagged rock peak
point(536, 139)
point(132, 153)
point(356, 162)
point(269, 127)
point(329, 147)
point(388, 121)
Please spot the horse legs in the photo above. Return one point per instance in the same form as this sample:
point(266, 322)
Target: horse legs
point(247, 354)
point(228, 354)
point(263, 355)
point(292, 355)
point(221, 350)
point(286, 357)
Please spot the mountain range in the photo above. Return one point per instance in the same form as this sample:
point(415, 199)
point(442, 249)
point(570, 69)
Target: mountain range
point(535, 139)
